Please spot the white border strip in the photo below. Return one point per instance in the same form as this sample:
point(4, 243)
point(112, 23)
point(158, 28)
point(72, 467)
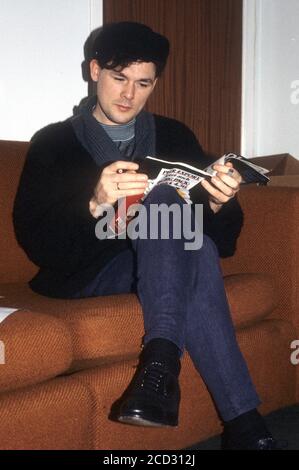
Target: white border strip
point(251, 35)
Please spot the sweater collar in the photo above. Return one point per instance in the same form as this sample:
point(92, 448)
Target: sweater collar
point(97, 142)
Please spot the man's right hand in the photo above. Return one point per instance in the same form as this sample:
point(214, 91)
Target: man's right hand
point(118, 180)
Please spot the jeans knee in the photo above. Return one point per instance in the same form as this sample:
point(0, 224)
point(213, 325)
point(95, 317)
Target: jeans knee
point(163, 193)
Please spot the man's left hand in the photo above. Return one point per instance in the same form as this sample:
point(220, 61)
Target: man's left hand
point(225, 185)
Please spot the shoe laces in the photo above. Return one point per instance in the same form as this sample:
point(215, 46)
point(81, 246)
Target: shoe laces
point(269, 443)
point(152, 378)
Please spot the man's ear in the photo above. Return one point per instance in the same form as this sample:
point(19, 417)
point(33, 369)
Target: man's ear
point(95, 70)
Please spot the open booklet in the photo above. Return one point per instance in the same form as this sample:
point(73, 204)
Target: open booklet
point(183, 177)
point(250, 172)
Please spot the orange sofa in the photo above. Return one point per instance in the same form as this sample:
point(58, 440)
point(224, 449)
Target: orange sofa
point(67, 361)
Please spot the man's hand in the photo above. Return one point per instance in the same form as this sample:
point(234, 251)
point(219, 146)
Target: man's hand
point(226, 184)
point(117, 180)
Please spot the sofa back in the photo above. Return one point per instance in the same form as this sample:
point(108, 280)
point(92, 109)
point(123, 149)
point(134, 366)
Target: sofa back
point(14, 264)
point(269, 242)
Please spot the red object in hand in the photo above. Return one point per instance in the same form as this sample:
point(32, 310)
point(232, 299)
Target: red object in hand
point(124, 213)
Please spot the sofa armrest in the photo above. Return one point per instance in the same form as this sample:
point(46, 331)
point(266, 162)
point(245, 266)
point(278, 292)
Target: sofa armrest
point(269, 242)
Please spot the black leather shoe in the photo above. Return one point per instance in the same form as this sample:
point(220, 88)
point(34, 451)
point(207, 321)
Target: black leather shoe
point(267, 443)
point(152, 399)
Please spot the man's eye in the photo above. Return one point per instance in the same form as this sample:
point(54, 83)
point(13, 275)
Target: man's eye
point(144, 84)
point(120, 79)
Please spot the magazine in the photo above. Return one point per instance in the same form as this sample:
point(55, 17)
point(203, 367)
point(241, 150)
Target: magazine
point(183, 177)
point(250, 172)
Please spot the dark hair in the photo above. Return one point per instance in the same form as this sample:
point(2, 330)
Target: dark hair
point(120, 44)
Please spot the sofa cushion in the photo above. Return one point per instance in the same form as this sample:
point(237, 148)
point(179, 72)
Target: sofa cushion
point(251, 297)
point(35, 347)
point(55, 415)
point(15, 266)
point(103, 328)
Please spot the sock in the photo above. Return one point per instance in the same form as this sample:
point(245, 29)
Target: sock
point(246, 429)
point(162, 350)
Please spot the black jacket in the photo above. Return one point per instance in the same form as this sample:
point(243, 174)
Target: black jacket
point(51, 212)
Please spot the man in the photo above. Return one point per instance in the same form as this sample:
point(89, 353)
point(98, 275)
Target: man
point(74, 169)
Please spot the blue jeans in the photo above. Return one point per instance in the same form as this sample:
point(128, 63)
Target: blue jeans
point(183, 300)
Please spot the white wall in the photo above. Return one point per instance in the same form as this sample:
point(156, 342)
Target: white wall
point(41, 50)
point(271, 77)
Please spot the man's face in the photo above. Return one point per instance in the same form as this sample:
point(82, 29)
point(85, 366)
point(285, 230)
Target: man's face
point(122, 93)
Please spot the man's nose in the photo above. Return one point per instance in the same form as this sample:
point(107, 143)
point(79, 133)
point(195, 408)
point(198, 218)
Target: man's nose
point(129, 91)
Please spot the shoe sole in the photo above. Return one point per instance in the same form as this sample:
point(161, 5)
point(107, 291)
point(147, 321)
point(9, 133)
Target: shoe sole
point(138, 421)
